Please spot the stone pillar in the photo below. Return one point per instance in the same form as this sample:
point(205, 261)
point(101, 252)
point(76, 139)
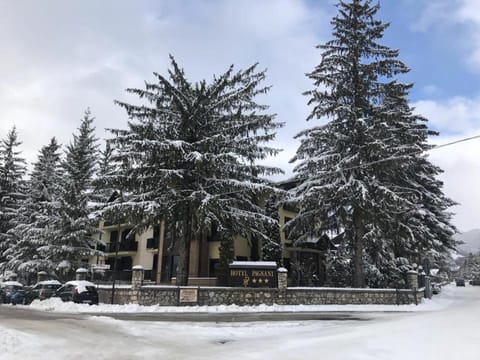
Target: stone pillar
point(81, 274)
point(137, 277)
point(42, 276)
point(412, 279)
point(282, 274)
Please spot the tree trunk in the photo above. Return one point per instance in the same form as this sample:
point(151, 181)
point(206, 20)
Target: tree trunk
point(184, 254)
point(358, 270)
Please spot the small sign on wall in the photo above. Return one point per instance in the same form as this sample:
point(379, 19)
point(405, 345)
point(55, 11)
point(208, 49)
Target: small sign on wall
point(188, 296)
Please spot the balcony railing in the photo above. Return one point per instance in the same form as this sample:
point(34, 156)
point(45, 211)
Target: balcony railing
point(122, 246)
point(106, 277)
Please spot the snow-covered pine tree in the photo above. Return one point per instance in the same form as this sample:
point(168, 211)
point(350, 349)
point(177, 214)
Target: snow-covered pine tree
point(12, 188)
point(227, 255)
point(38, 215)
point(104, 182)
point(419, 225)
point(193, 151)
point(72, 238)
point(354, 167)
point(271, 245)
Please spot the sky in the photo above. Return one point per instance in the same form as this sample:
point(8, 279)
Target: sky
point(60, 57)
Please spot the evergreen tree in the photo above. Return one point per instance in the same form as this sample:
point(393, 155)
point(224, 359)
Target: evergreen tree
point(271, 245)
point(104, 183)
point(38, 214)
point(419, 225)
point(72, 234)
point(363, 171)
point(192, 150)
point(12, 188)
point(227, 255)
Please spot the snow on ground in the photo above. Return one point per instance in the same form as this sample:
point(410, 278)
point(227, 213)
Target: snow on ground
point(56, 305)
point(443, 328)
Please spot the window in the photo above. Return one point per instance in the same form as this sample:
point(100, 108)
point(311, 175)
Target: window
point(113, 236)
point(125, 233)
point(213, 267)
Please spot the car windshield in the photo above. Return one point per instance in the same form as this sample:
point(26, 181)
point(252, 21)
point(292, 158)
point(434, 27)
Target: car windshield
point(91, 288)
point(13, 287)
point(51, 286)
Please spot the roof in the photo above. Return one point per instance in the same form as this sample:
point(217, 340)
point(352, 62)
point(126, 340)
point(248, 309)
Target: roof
point(254, 264)
point(49, 282)
point(80, 283)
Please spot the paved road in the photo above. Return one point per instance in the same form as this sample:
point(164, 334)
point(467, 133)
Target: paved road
point(24, 313)
point(449, 333)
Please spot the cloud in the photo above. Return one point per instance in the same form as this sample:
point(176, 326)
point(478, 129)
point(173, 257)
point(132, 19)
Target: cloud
point(457, 115)
point(457, 118)
point(59, 58)
point(461, 16)
point(461, 177)
point(432, 12)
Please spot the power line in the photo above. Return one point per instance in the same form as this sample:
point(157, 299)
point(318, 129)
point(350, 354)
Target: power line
point(434, 147)
point(455, 142)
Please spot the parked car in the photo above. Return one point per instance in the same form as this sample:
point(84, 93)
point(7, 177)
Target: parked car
point(460, 282)
point(475, 282)
point(7, 289)
point(43, 290)
point(78, 291)
point(19, 297)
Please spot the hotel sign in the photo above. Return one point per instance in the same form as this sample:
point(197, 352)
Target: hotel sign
point(253, 274)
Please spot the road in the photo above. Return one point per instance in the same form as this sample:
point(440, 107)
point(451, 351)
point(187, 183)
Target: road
point(450, 333)
point(24, 313)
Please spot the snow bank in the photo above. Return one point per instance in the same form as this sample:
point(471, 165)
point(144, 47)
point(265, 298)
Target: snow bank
point(56, 305)
point(9, 339)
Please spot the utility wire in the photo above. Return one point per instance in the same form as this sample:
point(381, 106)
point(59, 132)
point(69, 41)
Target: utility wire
point(455, 142)
point(434, 147)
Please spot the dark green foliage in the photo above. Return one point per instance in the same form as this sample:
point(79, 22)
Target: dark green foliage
point(227, 255)
point(73, 237)
point(12, 189)
point(271, 244)
point(191, 149)
point(104, 183)
point(364, 174)
point(37, 215)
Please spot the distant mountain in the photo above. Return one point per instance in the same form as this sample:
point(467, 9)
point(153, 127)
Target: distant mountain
point(471, 241)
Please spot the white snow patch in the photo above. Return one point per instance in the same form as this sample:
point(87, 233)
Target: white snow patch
point(12, 283)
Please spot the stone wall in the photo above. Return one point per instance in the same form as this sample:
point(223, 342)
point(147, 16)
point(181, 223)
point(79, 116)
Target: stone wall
point(169, 296)
point(212, 296)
